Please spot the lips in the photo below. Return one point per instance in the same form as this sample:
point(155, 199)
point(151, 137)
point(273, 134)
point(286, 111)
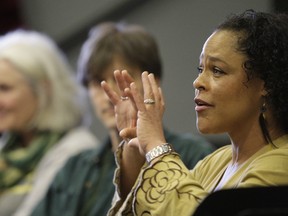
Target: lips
point(201, 104)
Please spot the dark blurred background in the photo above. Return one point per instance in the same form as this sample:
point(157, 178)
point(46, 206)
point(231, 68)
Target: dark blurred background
point(180, 27)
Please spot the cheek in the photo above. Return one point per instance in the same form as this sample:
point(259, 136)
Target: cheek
point(31, 101)
point(231, 90)
point(99, 101)
point(7, 103)
point(238, 103)
point(18, 102)
point(98, 98)
point(229, 100)
point(96, 104)
point(24, 109)
point(231, 97)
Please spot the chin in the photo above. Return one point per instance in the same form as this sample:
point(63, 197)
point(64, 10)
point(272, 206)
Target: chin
point(205, 130)
point(209, 130)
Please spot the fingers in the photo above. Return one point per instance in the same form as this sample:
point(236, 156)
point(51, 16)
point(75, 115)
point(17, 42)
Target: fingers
point(137, 97)
point(121, 83)
point(113, 96)
point(154, 87)
point(152, 92)
point(128, 89)
point(127, 77)
point(147, 86)
point(123, 80)
point(128, 133)
point(129, 94)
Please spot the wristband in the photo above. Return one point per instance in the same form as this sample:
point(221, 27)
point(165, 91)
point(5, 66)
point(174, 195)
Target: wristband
point(163, 149)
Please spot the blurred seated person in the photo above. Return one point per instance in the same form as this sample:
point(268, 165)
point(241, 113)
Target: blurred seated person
point(90, 189)
point(42, 118)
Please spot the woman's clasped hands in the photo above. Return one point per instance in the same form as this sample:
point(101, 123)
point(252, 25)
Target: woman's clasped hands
point(138, 109)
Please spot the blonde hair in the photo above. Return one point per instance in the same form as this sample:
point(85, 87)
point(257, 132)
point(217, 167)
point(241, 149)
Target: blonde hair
point(50, 76)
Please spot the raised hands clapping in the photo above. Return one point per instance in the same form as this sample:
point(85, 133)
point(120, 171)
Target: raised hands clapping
point(139, 118)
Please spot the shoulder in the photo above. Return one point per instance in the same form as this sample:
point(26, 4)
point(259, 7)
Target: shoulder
point(78, 165)
point(89, 156)
point(207, 169)
point(268, 168)
point(75, 141)
point(72, 143)
point(277, 158)
point(82, 134)
point(84, 157)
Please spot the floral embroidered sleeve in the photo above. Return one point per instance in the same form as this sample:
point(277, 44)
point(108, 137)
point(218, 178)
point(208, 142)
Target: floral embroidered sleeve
point(164, 188)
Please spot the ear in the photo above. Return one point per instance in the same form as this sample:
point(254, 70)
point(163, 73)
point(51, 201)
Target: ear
point(264, 93)
point(263, 90)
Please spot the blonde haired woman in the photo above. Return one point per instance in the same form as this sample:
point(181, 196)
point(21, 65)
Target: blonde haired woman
point(41, 120)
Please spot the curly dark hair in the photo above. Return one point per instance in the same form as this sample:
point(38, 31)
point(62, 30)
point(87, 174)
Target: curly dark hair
point(263, 38)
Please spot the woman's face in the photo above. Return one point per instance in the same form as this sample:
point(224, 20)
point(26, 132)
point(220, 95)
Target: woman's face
point(100, 101)
point(18, 103)
point(225, 100)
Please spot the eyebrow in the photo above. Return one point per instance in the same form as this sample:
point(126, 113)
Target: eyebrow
point(213, 59)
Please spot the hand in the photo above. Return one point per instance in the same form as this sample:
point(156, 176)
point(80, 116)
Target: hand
point(149, 116)
point(125, 111)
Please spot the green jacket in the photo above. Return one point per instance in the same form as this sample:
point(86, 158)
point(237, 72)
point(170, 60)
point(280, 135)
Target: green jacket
point(84, 186)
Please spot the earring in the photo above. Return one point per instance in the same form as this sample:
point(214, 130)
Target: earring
point(263, 109)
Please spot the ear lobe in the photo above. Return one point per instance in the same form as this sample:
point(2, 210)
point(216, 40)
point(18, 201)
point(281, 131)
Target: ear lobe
point(264, 91)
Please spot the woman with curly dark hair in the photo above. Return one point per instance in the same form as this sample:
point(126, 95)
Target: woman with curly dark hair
point(241, 89)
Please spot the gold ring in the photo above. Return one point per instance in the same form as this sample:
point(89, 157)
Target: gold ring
point(149, 101)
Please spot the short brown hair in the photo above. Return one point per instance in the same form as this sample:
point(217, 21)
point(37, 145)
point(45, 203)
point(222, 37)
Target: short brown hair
point(132, 42)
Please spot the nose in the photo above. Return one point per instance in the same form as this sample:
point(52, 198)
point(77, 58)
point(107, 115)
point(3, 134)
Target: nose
point(199, 82)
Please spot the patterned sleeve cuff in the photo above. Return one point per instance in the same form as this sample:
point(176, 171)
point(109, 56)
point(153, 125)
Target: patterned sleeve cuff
point(164, 183)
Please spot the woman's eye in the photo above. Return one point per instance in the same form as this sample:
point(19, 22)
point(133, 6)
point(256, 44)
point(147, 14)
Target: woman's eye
point(217, 71)
point(94, 83)
point(4, 87)
point(200, 69)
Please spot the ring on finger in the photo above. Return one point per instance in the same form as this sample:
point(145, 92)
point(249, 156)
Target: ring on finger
point(123, 98)
point(149, 101)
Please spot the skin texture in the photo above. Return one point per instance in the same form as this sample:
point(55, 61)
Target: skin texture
point(225, 101)
point(223, 88)
point(17, 101)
